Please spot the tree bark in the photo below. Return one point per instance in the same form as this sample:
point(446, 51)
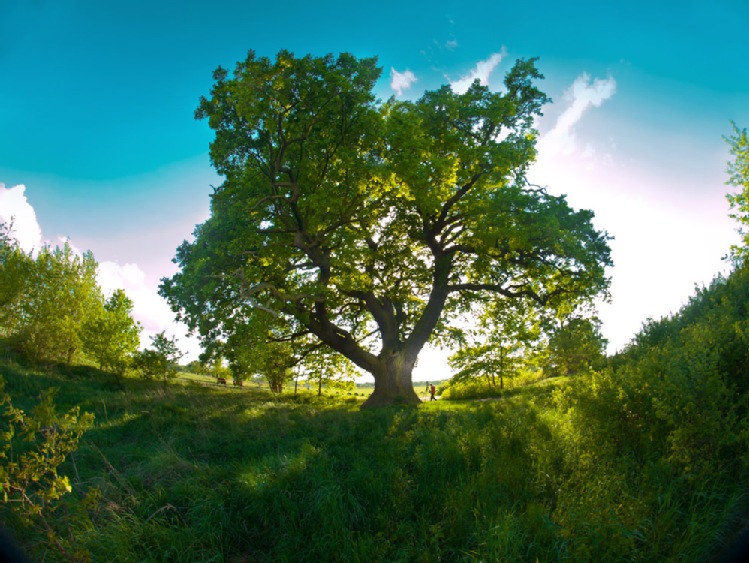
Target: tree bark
point(393, 381)
point(393, 367)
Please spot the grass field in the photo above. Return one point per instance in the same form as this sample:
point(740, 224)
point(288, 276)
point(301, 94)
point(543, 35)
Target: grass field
point(203, 472)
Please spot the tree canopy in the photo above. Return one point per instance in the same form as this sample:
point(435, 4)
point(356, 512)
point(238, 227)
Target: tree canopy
point(46, 299)
point(111, 335)
point(505, 333)
point(372, 225)
point(738, 177)
point(161, 360)
point(52, 307)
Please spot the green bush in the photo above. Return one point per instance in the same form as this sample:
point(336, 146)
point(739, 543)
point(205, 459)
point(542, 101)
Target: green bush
point(466, 390)
point(32, 449)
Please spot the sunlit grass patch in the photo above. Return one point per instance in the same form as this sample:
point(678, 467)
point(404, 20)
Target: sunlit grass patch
point(555, 471)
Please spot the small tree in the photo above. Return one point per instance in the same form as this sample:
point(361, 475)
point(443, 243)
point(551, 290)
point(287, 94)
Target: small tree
point(112, 337)
point(275, 362)
point(502, 337)
point(15, 271)
point(197, 367)
point(239, 368)
point(59, 293)
point(6, 234)
point(574, 346)
point(162, 360)
point(257, 345)
point(329, 369)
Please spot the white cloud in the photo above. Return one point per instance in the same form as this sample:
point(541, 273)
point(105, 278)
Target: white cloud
point(482, 71)
point(16, 209)
point(663, 245)
point(400, 81)
point(112, 276)
point(583, 94)
point(451, 45)
point(148, 306)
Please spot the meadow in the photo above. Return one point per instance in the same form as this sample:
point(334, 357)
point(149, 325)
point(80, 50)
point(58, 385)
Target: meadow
point(196, 472)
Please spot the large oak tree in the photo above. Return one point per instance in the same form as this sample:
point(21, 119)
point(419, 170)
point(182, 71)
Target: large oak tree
point(372, 225)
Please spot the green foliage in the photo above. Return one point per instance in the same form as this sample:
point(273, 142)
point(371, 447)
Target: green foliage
point(738, 171)
point(219, 370)
point(15, 269)
point(562, 470)
point(112, 336)
point(197, 367)
point(371, 227)
point(32, 448)
point(6, 235)
point(495, 349)
point(575, 345)
point(259, 349)
point(669, 415)
point(469, 388)
point(694, 367)
point(511, 340)
point(51, 305)
point(161, 361)
point(274, 362)
point(58, 296)
point(329, 369)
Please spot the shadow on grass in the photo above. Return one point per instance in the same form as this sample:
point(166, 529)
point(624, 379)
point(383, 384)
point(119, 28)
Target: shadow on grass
point(197, 473)
point(247, 474)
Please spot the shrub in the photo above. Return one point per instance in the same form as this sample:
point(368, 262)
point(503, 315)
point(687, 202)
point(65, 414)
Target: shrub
point(33, 447)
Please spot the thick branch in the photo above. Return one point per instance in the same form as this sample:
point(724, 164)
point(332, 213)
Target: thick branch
point(384, 315)
point(339, 339)
point(508, 291)
point(434, 307)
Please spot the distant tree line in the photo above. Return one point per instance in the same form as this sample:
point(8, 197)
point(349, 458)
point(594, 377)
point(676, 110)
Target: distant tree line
point(53, 311)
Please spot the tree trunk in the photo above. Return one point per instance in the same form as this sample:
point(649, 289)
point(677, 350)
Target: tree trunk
point(393, 382)
point(501, 367)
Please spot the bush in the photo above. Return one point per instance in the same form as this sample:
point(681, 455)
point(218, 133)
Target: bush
point(468, 389)
point(32, 450)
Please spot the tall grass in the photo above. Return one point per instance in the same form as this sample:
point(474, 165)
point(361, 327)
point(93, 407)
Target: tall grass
point(204, 473)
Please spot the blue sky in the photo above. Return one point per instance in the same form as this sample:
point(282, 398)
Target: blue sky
point(97, 102)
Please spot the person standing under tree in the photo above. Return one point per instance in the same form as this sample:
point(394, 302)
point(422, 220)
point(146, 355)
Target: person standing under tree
point(431, 393)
